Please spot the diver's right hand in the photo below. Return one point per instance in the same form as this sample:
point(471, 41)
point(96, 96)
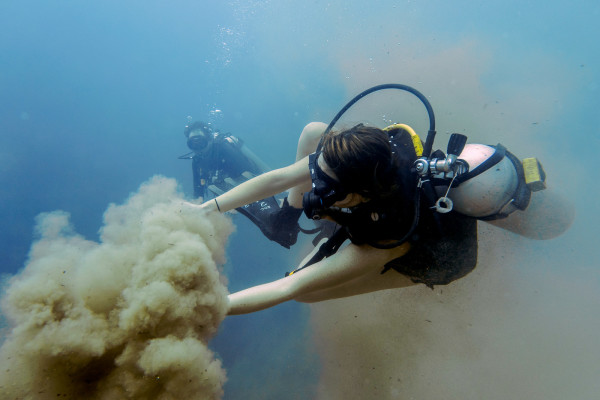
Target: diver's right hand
point(206, 206)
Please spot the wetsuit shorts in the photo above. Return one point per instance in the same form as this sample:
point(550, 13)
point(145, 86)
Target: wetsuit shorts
point(439, 258)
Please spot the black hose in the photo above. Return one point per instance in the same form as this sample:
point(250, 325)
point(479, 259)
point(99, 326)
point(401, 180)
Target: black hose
point(430, 135)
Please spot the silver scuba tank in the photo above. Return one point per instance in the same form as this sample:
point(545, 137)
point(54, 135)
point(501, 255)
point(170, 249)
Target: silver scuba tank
point(487, 193)
point(504, 186)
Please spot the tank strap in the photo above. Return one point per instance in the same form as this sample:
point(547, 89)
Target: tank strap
point(495, 158)
point(521, 196)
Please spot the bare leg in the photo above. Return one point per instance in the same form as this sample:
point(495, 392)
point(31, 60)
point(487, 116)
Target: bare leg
point(307, 144)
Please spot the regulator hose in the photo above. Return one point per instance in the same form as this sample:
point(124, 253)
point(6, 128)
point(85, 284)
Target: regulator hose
point(430, 134)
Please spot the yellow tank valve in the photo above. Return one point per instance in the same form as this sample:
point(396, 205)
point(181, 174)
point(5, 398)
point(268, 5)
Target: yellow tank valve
point(535, 177)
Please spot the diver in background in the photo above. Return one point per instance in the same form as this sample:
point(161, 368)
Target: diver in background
point(221, 161)
point(217, 156)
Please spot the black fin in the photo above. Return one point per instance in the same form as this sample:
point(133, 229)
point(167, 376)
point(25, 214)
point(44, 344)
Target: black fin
point(277, 224)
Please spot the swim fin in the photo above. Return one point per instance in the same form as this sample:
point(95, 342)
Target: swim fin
point(279, 224)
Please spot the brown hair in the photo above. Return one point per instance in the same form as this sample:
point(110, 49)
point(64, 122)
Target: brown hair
point(362, 159)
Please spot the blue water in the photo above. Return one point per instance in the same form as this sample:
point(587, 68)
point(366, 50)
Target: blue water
point(94, 96)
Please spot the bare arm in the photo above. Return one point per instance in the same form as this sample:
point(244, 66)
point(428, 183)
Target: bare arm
point(265, 185)
point(350, 263)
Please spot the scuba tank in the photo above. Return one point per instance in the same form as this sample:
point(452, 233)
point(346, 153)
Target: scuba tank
point(506, 192)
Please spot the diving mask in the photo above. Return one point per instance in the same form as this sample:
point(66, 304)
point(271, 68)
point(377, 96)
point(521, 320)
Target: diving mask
point(198, 141)
point(325, 190)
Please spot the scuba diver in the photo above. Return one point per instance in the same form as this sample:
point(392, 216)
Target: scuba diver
point(409, 214)
point(221, 161)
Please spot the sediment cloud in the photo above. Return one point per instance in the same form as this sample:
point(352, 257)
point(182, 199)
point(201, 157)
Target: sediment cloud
point(124, 318)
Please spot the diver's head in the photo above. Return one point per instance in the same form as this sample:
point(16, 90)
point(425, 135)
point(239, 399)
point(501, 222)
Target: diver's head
point(199, 135)
point(361, 158)
point(352, 166)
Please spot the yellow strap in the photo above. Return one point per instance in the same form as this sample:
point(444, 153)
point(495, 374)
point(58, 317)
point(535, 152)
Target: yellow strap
point(416, 140)
point(533, 172)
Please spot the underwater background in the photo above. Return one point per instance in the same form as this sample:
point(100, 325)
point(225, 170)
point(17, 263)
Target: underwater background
point(94, 97)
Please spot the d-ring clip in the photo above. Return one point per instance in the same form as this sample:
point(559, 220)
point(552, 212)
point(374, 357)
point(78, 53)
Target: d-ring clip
point(443, 205)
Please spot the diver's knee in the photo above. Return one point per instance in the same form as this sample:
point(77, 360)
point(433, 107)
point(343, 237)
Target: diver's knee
point(313, 130)
point(315, 126)
point(311, 134)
